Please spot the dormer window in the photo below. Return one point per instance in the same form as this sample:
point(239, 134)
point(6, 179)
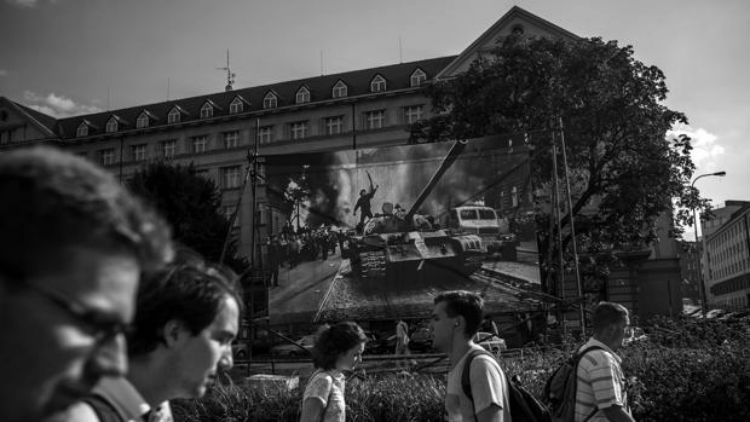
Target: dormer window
point(83, 130)
point(270, 100)
point(111, 125)
point(142, 120)
point(340, 90)
point(417, 78)
point(377, 84)
point(303, 96)
point(173, 116)
point(236, 106)
point(207, 111)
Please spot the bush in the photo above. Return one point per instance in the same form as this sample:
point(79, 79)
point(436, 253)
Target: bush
point(687, 371)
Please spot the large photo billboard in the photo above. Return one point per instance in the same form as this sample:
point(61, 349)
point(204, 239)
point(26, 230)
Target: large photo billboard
point(374, 234)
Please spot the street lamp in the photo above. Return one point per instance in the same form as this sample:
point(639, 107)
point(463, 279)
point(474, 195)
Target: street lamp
point(703, 242)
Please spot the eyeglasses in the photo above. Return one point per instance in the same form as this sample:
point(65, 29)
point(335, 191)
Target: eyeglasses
point(101, 327)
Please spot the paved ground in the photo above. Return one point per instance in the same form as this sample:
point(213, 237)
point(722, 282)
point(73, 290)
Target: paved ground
point(301, 290)
point(324, 291)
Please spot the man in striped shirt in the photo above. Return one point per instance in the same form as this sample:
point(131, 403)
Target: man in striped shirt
point(601, 394)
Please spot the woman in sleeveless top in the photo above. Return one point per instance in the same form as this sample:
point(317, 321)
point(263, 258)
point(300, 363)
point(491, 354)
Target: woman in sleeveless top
point(337, 349)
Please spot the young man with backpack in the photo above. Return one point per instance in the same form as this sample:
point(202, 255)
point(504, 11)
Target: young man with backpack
point(455, 319)
point(590, 386)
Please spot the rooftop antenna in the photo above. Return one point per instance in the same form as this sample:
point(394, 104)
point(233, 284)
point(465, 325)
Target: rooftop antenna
point(400, 51)
point(230, 75)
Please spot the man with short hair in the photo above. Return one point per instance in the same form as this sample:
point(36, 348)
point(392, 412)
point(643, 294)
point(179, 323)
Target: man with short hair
point(455, 319)
point(73, 243)
point(601, 394)
point(187, 316)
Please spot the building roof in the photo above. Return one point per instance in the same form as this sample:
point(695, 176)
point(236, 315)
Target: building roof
point(358, 82)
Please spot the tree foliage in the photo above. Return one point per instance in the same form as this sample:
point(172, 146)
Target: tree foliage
point(192, 205)
point(611, 109)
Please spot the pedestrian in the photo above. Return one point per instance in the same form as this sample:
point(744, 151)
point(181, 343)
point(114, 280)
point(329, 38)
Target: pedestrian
point(186, 318)
point(402, 338)
point(73, 243)
point(273, 260)
point(337, 349)
point(489, 326)
point(455, 319)
point(601, 394)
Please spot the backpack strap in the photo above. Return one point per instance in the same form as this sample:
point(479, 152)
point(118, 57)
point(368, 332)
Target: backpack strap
point(103, 409)
point(466, 375)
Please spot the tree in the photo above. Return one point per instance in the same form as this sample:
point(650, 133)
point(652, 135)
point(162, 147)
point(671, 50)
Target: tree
point(610, 107)
point(191, 204)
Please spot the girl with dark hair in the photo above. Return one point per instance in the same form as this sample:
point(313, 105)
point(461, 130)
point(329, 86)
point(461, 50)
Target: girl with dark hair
point(337, 349)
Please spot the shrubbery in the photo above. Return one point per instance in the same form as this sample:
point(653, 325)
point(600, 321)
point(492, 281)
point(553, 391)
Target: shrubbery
point(688, 370)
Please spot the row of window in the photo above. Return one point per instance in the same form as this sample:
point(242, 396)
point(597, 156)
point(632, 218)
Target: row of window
point(332, 125)
point(270, 101)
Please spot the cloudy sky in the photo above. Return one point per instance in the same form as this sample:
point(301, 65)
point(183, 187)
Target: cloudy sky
point(68, 57)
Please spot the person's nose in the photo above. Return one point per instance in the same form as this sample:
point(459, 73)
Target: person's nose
point(110, 357)
point(226, 362)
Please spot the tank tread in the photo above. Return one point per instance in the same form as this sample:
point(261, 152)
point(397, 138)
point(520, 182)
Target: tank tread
point(373, 264)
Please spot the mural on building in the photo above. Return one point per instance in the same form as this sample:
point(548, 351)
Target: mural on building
point(374, 233)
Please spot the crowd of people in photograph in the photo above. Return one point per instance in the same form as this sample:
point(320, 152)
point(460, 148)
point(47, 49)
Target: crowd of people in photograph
point(106, 318)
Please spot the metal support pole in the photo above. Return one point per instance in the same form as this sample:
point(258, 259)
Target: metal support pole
point(704, 297)
point(572, 227)
point(558, 227)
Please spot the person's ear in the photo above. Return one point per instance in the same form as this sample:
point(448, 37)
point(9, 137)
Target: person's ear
point(174, 333)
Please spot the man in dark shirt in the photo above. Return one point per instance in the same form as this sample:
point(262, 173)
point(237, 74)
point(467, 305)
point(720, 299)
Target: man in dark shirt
point(364, 202)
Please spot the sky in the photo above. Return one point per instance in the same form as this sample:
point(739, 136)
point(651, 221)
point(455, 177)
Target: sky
point(71, 57)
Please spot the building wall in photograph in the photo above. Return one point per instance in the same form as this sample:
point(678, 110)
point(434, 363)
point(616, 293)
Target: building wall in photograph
point(728, 258)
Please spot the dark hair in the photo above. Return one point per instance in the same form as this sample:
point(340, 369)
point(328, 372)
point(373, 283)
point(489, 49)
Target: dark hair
point(188, 290)
point(54, 199)
point(335, 341)
point(466, 304)
point(606, 314)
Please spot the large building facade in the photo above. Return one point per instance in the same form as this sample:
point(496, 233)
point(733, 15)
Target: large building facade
point(728, 261)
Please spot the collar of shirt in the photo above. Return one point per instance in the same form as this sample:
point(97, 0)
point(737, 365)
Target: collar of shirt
point(594, 342)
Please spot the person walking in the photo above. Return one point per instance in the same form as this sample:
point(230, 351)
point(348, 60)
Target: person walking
point(402, 338)
point(600, 393)
point(337, 349)
point(455, 319)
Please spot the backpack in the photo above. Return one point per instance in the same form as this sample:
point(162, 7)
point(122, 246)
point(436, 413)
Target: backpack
point(562, 387)
point(524, 407)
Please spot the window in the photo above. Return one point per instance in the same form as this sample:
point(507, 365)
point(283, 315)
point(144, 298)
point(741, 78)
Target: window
point(374, 119)
point(231, 139)
point(417, 78)
point(298, 130)
point(199, 144)
point(141, 121)
point(139, 152)
point(514, 196)
point(270, 101)
point(168, 148)
point(230, 177)
point(83, 130)
point(107, 156)
point(377, 84)
point(236, 106)
point(265, 134)
point(303, 96)
point(229, 215)
point(173, 116)
point(339, 90)
point(207, 111)
point(334, 125)
point(412, 114)
point(111, 125)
